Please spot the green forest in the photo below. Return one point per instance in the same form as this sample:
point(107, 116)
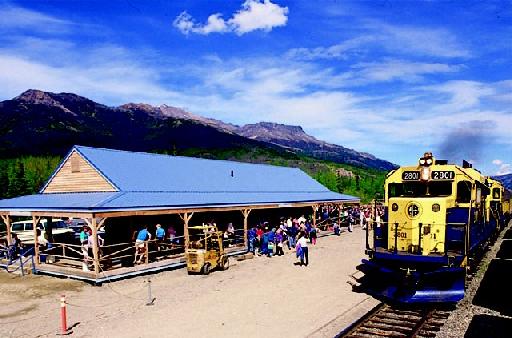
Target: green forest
point(26, 175)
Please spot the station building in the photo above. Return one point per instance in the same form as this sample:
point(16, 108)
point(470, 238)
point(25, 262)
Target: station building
point(117, 192)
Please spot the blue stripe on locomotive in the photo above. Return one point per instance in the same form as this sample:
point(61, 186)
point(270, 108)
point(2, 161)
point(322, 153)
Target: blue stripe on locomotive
point(479, 231)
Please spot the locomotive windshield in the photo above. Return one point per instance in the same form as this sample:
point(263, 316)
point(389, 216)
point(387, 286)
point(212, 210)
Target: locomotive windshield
point(419, 189)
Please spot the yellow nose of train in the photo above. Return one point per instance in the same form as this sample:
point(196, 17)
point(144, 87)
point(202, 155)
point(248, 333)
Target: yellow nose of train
point(416, 225)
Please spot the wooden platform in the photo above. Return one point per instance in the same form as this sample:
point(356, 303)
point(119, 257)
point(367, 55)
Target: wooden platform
point(63, 271)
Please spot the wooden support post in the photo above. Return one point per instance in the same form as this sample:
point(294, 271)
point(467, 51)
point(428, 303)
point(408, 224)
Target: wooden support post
point(186, 218)
point(315, 209)
point(35, 221)
point(146, 247)
point(95, 252)
point(7, 221)
point(340, 207)
point(246, 213)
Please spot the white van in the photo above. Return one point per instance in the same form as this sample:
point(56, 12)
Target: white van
point(25, 230)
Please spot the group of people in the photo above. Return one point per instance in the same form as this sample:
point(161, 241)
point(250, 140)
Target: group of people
point(11, 251)
point(365, 216)
point(293, 233)
point(143, 235)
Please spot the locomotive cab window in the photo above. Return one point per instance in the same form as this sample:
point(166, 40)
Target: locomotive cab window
point(419, 189)
point(464, 192)
point(496, 193)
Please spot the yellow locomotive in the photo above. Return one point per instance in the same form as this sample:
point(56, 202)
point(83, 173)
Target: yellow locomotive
point(436, 217)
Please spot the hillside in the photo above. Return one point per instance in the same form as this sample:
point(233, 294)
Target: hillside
point(55, 122)
point(506, 180)
point(37, 123)
point(295, 139)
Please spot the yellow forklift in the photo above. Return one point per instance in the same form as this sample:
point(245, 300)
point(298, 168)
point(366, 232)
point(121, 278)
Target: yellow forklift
point(205, 251)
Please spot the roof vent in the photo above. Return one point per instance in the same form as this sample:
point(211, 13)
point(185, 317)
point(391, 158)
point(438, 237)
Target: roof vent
point(442, 162)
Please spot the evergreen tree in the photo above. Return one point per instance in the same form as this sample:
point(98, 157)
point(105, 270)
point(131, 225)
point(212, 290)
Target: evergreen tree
point(18, 184)
point(4, 179)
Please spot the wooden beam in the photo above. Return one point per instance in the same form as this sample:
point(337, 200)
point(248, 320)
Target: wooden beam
point(35, 221)
point(315, 209)
point(186, 218)
point(7, 221)
point(246, 213)
point(95, 252)
point(204, 209)
point(59, 214)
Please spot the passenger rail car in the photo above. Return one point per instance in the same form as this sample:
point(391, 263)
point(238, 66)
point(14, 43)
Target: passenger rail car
point(436, 218)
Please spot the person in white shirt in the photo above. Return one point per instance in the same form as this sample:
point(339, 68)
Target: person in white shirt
point(303, 242)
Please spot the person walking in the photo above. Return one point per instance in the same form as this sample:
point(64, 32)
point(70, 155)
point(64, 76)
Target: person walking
point(279, 242)
point(312, 235)
point(303, 243)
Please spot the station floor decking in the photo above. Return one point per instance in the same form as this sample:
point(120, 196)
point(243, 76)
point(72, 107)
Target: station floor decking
point(260, 297)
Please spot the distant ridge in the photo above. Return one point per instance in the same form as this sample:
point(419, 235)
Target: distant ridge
point(38, 122)
point(505, 179)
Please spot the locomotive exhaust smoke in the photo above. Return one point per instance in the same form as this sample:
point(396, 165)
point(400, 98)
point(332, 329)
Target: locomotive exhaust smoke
point(466, 142)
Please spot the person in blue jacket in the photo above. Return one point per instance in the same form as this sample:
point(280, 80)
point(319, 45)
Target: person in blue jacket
point(264, 243)
point(251, 237)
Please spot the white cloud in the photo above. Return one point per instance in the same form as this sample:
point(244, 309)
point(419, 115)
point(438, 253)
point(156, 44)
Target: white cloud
point(463, 94)
point(337, 51)
point(258, 15)
point(399, 70)
point(215, 24)
point(505, 169)
point(418, 40)
point(402, 40)
point(21, 18)
point(254, 15)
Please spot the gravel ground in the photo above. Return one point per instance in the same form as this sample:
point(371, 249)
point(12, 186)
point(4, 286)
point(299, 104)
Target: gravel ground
point(460, 320)
point(260, 297)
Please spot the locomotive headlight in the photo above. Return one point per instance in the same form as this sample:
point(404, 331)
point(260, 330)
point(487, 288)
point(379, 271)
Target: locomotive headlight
point(422, 161)
point(436, 207)
point(429, 161)
point(394, 207)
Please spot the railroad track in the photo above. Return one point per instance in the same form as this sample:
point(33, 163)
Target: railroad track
point(388, 321)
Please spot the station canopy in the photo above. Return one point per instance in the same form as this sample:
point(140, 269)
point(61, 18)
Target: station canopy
point(102, 180)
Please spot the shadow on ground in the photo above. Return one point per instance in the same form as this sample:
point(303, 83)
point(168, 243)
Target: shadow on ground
point(505, 251)
point(489, 327)
point(495, 292)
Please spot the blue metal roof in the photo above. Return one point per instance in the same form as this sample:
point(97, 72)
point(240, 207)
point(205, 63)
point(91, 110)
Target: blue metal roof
point(147, 181)
point(57, 201)
point(134, 171)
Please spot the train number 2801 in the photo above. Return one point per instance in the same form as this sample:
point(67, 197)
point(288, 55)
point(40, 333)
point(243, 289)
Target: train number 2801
point(401, 234)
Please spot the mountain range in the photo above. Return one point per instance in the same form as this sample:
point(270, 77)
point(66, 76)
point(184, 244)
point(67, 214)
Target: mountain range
point(506, 180)
point(43, 123)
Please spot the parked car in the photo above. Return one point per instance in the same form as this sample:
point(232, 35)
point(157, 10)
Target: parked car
point(25, 230)
point(77, 224)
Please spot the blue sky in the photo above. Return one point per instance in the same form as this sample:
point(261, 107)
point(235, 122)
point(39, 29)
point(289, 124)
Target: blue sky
point(392, 78)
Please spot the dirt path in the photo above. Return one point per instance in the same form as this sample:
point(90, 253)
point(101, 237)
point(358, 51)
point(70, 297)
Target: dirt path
point(260, 297)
